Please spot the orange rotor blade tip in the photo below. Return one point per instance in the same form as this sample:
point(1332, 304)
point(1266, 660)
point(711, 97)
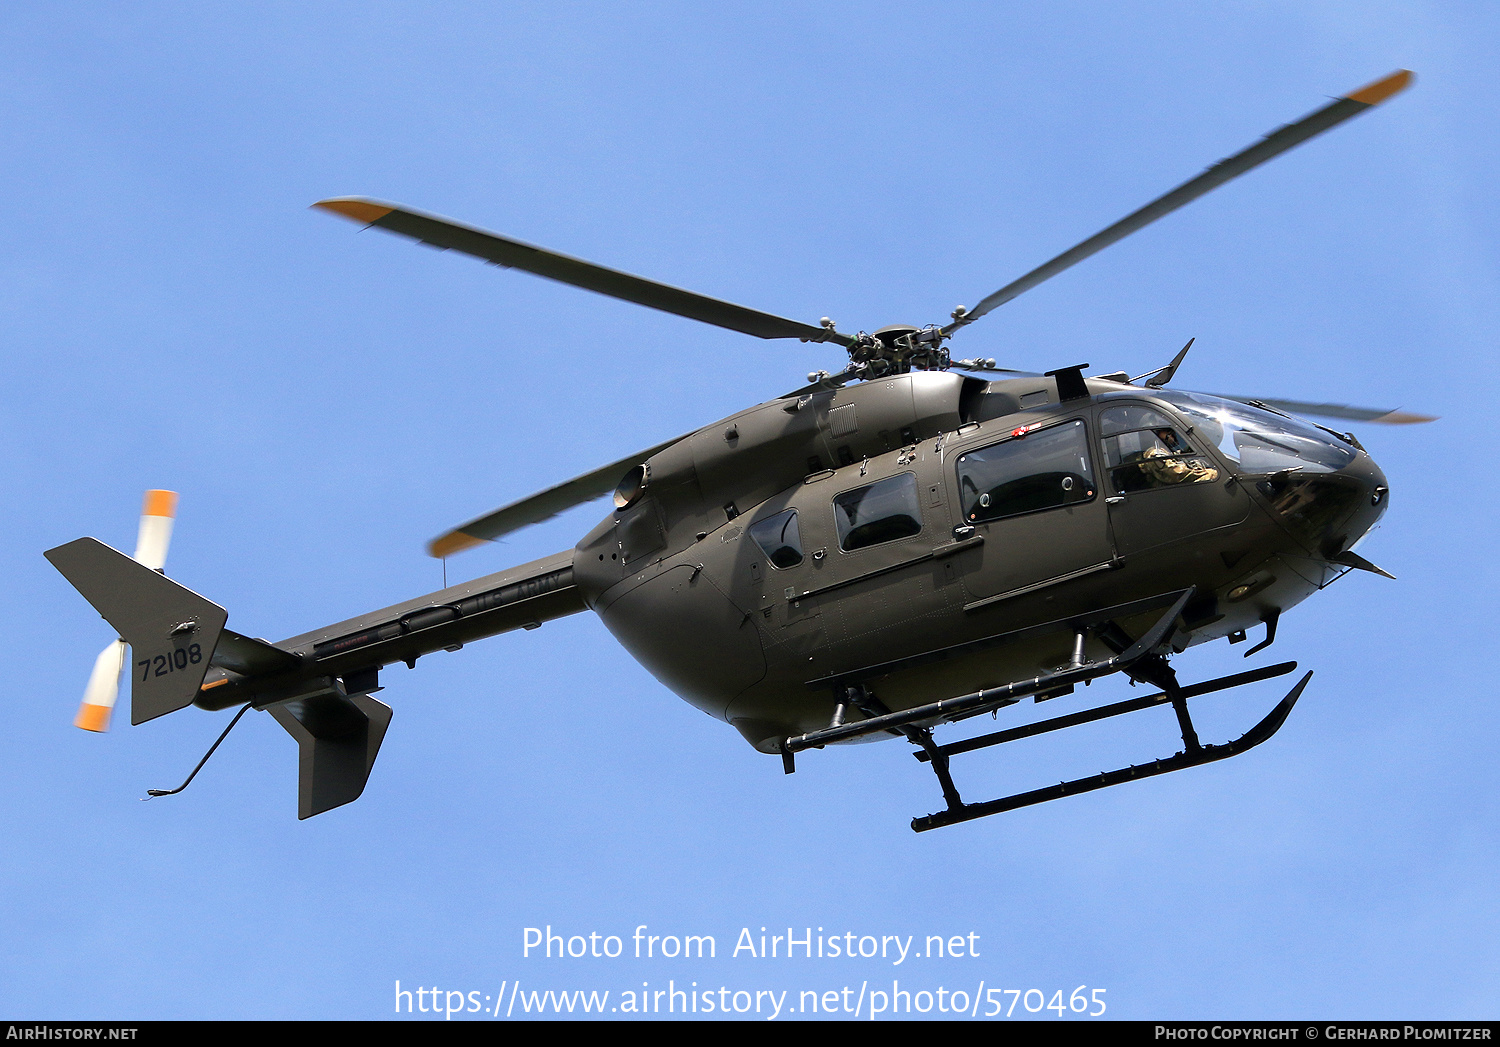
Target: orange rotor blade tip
point(453, 542)
point(1380, 90)
point(1404, 418)
point(359, 210)
point(160, 503)
point(93, 718)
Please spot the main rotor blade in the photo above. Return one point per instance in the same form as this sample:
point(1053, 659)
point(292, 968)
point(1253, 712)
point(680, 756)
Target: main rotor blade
point(1274, 144)
point(541, 506)
point(1382, 415)
point(513, 254)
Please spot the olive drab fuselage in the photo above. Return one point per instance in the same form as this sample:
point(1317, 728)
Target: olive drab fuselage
point(893, 547)
point(930, 535)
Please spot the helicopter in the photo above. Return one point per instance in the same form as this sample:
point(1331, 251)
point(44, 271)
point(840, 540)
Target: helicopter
point(902, 545)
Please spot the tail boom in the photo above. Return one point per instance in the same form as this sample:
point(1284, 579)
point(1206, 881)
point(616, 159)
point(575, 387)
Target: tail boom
point(317, 685)
point(347, 655)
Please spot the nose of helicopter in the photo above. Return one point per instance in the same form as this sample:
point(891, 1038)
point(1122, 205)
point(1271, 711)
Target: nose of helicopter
point(1328, 512)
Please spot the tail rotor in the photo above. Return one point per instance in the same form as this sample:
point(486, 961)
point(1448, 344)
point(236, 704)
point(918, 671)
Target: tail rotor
point(155, 535)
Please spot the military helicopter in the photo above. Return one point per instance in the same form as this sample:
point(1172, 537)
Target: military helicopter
point(886, 550)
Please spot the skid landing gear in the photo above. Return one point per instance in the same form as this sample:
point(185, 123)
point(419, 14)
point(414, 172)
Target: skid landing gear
point(1192, 754)
point(1140, 660)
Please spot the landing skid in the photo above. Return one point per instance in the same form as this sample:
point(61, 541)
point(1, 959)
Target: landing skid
point(1192, 755)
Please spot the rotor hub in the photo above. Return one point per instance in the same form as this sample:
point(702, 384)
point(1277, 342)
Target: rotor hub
point(899, 349)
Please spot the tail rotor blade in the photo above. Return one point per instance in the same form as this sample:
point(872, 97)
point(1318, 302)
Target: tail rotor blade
point(103, 688)
point(157, 515)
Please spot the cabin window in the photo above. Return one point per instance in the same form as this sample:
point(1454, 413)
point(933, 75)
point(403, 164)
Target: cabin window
point(1148, 451)
point(1042, 470)
point(778, 538)
point(884, 511)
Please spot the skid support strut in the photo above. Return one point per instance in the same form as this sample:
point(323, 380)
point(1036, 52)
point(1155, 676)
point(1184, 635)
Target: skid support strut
point(921, 737)
point(912, 722)
point(878, 718)
point(1155, 671)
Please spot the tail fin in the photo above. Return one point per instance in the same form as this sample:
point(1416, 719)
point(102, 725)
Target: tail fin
point(175, 635)
point(337, 738)
point(172, 631)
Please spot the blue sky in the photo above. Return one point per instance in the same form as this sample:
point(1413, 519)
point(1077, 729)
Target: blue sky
point(327, 400)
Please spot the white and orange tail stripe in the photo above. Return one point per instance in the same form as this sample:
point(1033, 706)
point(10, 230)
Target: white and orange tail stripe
point(157, 514)
point(155, 535)
point(104, 687)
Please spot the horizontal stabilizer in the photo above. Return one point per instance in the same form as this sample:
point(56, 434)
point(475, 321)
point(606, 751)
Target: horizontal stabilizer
point(172, 631)
point(337, 740)
point(241, 654)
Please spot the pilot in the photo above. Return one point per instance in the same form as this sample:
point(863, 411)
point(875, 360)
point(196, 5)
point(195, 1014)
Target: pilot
point(1159, 462)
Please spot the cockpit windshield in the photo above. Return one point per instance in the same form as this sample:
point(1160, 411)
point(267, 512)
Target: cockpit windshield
point(1260, 441)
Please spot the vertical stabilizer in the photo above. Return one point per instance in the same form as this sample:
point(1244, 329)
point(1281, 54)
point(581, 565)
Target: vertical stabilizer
point(172, 631)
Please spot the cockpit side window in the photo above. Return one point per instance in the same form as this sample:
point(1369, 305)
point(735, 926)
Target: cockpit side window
point(884, 511)
point(778, 538)
point(1042, 470)
point(1132, 416)
point(1143, 449)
